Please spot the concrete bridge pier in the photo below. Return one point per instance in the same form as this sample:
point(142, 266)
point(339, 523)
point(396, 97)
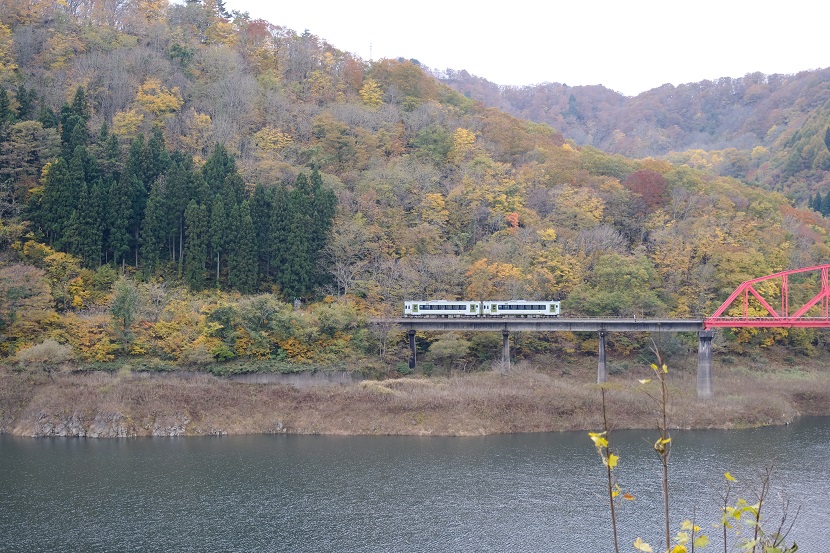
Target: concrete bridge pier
point(411, 335)
point(602, 370)
point(505, 349)
point(704, 364)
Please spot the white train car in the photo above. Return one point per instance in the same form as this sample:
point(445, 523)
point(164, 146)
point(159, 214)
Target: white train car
point(441, 308)
point(520, 308)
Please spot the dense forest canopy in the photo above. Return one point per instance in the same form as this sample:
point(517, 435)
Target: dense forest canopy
point(174, 176)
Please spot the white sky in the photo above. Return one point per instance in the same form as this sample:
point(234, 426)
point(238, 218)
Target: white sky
point(629, 46)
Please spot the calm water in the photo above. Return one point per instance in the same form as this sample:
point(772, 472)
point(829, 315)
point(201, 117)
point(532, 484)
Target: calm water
point(522, 493)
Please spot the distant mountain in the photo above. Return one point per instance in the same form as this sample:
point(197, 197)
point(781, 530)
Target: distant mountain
point(770, 127)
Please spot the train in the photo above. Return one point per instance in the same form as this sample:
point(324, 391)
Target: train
point(486, 308)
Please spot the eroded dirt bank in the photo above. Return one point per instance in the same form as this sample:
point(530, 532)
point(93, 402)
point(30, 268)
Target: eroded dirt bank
point(526, 399)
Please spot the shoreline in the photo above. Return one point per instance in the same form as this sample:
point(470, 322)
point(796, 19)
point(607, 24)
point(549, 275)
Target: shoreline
point(526, 399)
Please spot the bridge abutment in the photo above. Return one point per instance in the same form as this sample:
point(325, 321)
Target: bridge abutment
point(704, 364)
point(505, 349)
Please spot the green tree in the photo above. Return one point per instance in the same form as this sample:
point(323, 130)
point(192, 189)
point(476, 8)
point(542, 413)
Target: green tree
point(242, 256)
point(124, 306)
point(196, 245)
point(219, 172)
point(218, 231)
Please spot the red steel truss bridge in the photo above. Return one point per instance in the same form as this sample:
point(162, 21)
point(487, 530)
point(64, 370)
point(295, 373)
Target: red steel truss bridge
point(798, 298)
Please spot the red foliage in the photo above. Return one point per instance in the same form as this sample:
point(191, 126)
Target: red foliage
point(651, 186)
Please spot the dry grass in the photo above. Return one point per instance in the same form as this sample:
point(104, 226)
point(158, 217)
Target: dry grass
point(526, 399)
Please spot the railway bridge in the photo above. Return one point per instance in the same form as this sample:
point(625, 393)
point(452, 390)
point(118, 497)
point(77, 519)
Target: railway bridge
point(797, 298)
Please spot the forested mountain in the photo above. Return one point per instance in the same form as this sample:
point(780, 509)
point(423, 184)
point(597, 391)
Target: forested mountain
point(174, 176)
point(761, 128)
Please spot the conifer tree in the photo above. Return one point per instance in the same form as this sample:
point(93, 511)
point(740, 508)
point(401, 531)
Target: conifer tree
point(84, 232)
point(196, 244)
point(59, 200)
point(825, 205)
point(218, 230)
point(279, 225)
point(242, 257)
point(47, 118)
point(154, 228)
point(25, 102)
point(6, 114)
point(815, 203)
point(219, 172)
point(261, 203)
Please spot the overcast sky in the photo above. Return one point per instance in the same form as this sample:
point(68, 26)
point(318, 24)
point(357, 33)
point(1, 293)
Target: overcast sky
point(629, 46)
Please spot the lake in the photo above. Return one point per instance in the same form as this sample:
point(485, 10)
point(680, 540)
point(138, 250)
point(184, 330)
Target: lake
point(516, 493)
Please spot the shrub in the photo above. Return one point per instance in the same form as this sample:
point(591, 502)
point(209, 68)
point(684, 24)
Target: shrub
point(46, 354)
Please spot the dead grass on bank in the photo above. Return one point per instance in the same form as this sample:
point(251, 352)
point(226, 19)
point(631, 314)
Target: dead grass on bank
point(526, 399)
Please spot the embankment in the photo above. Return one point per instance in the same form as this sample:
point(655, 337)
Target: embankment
point(527, 399)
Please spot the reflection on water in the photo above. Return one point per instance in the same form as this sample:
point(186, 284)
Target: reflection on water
point(517, 493)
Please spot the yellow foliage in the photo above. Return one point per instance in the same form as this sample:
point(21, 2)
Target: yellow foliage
point(126, 123)
point(60, 48)
point(90, 336)
point(434, 209)
point(296, 350)
point(493, 280)
point(158, 99)
point(462, 143)
point(271, 139)
point(7, 64)
point(371, 93)
point(198, 131)
point(221, 32)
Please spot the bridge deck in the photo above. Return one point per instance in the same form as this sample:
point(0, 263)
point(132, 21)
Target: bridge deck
point(510, 324)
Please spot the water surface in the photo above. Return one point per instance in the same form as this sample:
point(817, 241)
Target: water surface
point(517, 493)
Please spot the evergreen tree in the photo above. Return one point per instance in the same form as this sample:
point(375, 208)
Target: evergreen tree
point(155, 228)
point(6, 114)
point(825, 205)
point(83, 234)
point(59, 200)
point(122, 224)
point(155, 160)
point(182, 187)
point(47, 118)
point(219, 172)
point(242, 258)
point(80, 107)
point(196, 244)
point(279, 225)
point(323, 205)
point(261, 203)
point(218, 231)
point(815, 203)
point(110, 157)
point(25, 103)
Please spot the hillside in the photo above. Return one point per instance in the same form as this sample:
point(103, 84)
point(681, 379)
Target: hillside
point(760, 128)
point(184, 186)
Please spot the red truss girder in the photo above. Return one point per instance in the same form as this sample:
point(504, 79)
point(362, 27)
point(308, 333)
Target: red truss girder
point(776, 318)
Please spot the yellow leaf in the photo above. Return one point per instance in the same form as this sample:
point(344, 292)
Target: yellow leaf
point(612, 460)
point(665, 369)
point(728, 476)
point(640, 545)
point(701, 541)
point(598, 438)
point(645, 381)
point(678, 549)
